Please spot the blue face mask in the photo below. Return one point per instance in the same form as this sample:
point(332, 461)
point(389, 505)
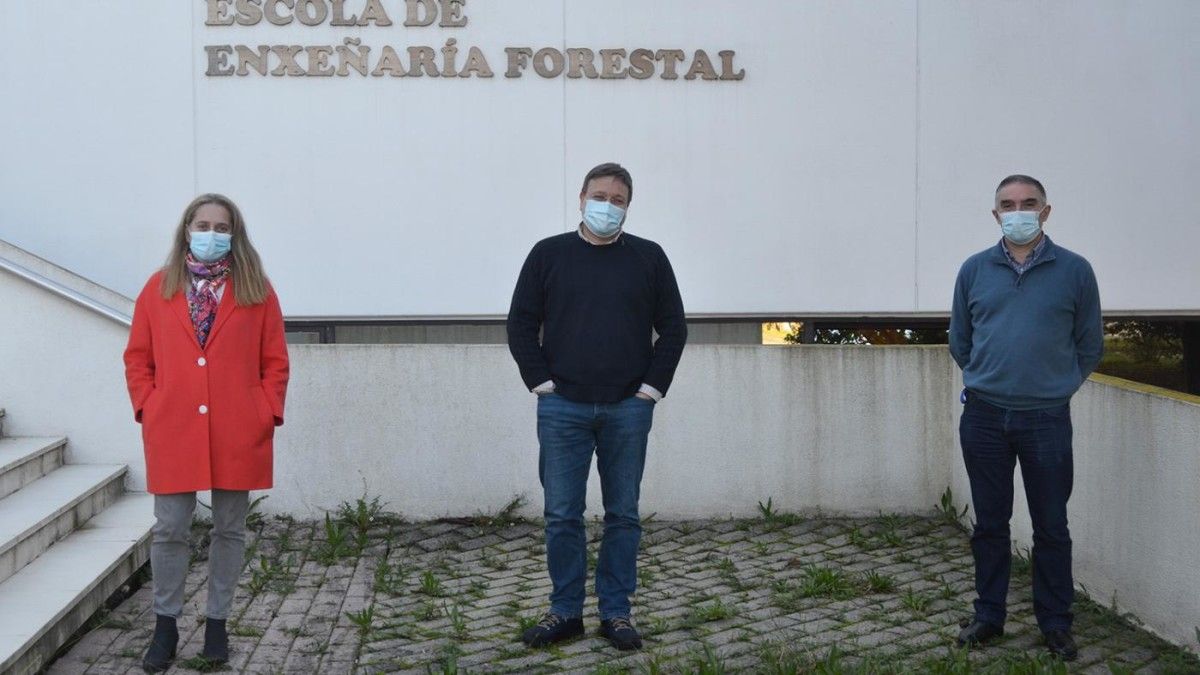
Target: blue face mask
point(210, 246)
point(1020, 227)
point(602, 218)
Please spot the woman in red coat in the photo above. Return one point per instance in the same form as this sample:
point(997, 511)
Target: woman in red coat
point(207, 369)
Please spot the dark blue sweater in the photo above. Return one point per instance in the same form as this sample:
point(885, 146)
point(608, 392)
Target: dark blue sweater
point(1026, 342)
point(596, 308)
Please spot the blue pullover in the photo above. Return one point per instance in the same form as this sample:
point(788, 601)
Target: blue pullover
point(1026, 341)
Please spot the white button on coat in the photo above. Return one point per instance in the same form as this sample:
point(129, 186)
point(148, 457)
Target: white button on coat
point(203, 410)
point(201, 361)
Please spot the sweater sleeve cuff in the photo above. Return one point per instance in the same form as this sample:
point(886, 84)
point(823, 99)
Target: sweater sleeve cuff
point(651, 392)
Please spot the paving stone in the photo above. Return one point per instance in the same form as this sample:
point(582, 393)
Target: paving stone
point(302, 613)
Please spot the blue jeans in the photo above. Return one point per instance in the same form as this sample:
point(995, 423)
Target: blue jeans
point(993, 440)
point(569, 433)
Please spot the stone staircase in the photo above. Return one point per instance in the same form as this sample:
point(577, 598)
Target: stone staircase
point(70, 536)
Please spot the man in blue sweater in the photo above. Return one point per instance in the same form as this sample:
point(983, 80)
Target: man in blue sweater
point(1026, 331)
point(596, 295)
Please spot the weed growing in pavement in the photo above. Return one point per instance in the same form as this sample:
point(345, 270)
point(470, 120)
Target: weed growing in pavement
point(448, 665)
point(645, 577)
point(284, 542)
point(855, 537)
point(428, 611)
point(431, 586)
point(656, 664)
point(1022, 562)
point(337, 542)
point(507, 516)
point(254, 517)
point(390, 579)
point(949, 512)
point(916, 603)
point(776, 519)
point(716, 610)
point(478, 589)
point(263, 574)
point(890, 525)
point(359, 517)
point(828, 582)
point(891, 537)
point(655, 626)
point(880, 583)
point(708, 663)
point(458, 622)
point(725, 566)
point(947, 591)
point(511, 609)
point(524, 623)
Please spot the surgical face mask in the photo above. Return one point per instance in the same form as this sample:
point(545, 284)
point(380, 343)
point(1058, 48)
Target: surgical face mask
point(602, 218)
point(1020, 227)
point(210, 246)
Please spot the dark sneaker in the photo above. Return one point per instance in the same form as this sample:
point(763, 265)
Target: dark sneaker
point(1061, 644)
point(621, 633)
point(977, 633)
point(552, 628)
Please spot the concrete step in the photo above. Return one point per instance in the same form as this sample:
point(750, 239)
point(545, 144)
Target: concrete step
point(49, 509)
point(49, 599)
point(24, 460)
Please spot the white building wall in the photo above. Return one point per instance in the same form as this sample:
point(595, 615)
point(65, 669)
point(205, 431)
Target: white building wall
point(850, 172)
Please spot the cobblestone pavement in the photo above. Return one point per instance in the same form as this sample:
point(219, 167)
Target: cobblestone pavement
point(366, 592)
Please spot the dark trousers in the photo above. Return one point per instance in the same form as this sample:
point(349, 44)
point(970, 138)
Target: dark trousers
point(993, 440)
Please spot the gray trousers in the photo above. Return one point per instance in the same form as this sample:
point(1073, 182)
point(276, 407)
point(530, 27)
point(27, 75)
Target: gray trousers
point(170, 556)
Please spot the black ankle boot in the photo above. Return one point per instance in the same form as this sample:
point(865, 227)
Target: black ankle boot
point(216, 641)
point(162, 647)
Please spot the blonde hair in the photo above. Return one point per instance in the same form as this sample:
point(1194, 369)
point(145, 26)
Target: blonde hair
point(250, 286)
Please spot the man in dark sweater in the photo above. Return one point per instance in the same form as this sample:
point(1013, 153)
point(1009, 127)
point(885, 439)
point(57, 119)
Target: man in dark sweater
point(596, 295)
point(1026, 330)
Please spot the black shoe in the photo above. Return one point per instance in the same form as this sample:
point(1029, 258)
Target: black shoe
point(552, 628)
point(976, 633)
point(621, 633)
point(162, 646)
point(216, 641)
point(1061, 644)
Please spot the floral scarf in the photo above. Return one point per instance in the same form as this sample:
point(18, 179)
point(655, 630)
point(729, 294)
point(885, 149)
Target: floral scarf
point(207, 279)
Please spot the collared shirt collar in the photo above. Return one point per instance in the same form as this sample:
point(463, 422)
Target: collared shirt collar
point(1033, 257)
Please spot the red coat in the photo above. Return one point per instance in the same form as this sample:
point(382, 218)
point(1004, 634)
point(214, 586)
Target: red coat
point(208, 415)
